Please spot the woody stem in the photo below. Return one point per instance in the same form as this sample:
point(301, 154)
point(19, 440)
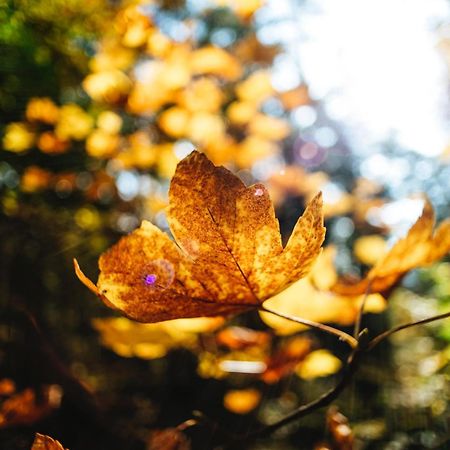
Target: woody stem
point(342, 335)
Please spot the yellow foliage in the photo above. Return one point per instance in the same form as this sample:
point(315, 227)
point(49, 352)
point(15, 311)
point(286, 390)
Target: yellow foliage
point(150, 341)
point(320, 363)
point(109, 122)
point(215, 61)
point(18, 138)
point(48, 142)
point(240, 113)
point(201, 95)
point(174, 121)
point(252, 149)
point(35, 179)
point(268, 127)
point(101, 144)
point(73, 123)
point(108, 86)
point(370, 249)
point(256, 88)
point(242, 401)
point(42, 110)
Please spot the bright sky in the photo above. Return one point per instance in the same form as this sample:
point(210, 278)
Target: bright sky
point(377, 63)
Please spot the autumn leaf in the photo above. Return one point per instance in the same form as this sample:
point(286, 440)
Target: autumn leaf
point(311, 298)
point(43, 442)
point(28, 406)
point(340, 430)
point(421, 246)
point(168, 439)
point(154, 340)
point(227, 257)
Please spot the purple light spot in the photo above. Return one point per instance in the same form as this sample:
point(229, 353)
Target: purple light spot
point(150, 279)
point(259, 192)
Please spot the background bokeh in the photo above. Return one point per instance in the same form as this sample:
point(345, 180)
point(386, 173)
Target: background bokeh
point(99, 101)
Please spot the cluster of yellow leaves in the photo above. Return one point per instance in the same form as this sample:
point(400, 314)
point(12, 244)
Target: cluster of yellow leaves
point(68, 122)
point(185, 88)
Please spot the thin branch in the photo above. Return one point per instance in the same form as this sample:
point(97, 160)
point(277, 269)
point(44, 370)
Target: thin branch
point(342, 335)
point(358, 321)
point(324, 400)
point(381, 337)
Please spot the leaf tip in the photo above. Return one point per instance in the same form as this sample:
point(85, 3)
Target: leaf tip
point(84, 279)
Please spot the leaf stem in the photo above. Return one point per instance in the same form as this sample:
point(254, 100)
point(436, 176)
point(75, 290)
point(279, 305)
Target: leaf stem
point(350, 340)
point(381, 337)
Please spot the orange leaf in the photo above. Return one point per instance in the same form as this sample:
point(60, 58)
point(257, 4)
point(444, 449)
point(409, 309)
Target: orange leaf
point(229, 256)
point(43, 442)
point(168, 439)
point(421, 246)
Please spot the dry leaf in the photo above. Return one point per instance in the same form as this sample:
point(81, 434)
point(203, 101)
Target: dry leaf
point(340, 429)
point(421, 246)
point(310, 298)
point(285, 360)
point(239, 338)
point(27, 407)
point(43, 442)
point(168, 439)
point(229, 256)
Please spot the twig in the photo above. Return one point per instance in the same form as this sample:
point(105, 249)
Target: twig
point(342, 335)
point(358, 321)
point(381, 337)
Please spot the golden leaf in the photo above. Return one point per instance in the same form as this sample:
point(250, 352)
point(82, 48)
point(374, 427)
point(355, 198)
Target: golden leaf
point(154, 340)
point(42, 110)
point(18, 137)
point(421, 246)
point(320, 363)
point(229, 256)
point(43, 442)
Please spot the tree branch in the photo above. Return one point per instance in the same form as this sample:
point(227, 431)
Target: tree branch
point(381, 337)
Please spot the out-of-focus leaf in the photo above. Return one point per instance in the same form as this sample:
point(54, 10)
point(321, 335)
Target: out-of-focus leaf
point(421, 246)
point(44, 442)
point(150, 341)
point(168, 439)
point(284, 361)
point(320, 363)
point(340, 430)
point(370, 249)
point(238, 338)
point(310, 298)
point(232, 237)
point(242, 401)
point(7, 387)
point(27, 407)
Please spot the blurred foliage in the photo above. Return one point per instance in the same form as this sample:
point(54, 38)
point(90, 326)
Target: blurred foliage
point(99, 100)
